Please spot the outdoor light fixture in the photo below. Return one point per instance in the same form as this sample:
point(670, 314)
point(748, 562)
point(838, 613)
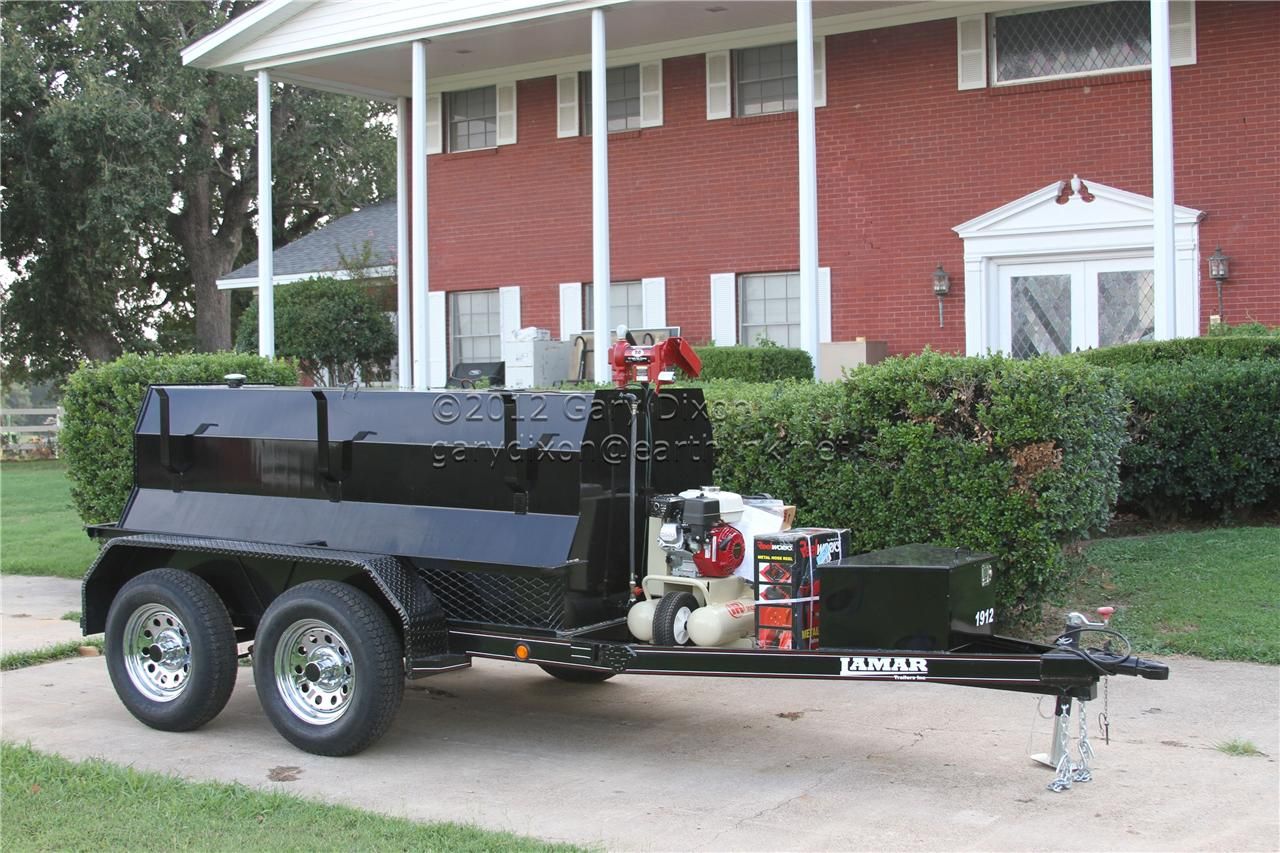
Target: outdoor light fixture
point(1218, 268)
point(941, 287)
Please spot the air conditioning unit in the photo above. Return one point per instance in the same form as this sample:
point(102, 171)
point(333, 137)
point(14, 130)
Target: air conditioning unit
point(536, 364)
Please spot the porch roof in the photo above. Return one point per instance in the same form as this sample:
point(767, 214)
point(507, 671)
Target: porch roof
point(364, 48)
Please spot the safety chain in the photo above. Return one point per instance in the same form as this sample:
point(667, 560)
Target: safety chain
point(1068, 771)
point(1104, 719)
point(1081, 772)
point(1063, 777)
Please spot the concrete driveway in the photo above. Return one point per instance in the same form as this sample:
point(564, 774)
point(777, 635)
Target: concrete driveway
point(31, 611)
point(654, 763)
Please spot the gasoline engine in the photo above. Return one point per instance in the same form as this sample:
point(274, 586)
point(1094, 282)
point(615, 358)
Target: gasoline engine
point(697, 583)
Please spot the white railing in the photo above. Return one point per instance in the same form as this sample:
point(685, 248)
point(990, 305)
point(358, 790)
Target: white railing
point(43, 424)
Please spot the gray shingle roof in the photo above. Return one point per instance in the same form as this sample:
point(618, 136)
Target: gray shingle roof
point(321, 251)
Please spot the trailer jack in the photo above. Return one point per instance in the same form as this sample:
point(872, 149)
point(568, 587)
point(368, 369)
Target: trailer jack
point(1067, 770)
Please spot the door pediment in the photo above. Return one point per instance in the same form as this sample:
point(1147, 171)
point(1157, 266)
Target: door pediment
point(1070, 206)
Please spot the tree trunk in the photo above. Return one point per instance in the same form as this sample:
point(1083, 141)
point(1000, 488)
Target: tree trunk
point(209, 256)
point(100, 346)
point(213, 306)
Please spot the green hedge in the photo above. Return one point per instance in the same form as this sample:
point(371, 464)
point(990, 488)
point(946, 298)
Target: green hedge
point(102, 402)
point(1205, 437)
point(1232, 347)
point(754, 364)
point(1013, 457)
point(1222, 330)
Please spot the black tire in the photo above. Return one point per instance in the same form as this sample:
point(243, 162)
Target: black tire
point(575, 675)
point(171, 650)
point(329, 668)
point(667, 616)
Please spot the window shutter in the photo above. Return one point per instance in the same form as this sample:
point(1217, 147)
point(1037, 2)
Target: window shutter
point(1182, 32)
point(570, 309)
point(437, 343)
point(653, 294)
point(651, 94)
point(971, 51)
point(824, 305)
point(820, 71)
point(508, 312)
point(434, 137)
point(724, 310)
point(719, 103)
point(507, 114)
point(566, 105)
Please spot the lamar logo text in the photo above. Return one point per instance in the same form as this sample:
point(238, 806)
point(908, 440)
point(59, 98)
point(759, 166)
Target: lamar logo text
point(901, 669)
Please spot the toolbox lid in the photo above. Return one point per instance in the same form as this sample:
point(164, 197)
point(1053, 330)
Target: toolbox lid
point(917, 557)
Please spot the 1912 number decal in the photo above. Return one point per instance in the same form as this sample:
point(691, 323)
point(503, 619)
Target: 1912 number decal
point(984, 617)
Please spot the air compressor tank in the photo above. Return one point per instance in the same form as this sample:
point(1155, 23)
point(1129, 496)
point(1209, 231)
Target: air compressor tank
point(722, 624)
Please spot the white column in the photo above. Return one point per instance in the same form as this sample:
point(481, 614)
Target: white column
point(404, 335)
point(266, 281)
point(807, 130)
point(599, 199)
point(419, 205)
point(1162, 172)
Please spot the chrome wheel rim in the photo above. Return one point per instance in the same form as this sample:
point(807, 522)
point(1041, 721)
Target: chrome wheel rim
point(157, 653)
point(315, 674)
point(680, 625)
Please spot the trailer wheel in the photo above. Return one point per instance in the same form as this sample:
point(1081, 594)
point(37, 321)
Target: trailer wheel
point(575, 675)
point(329, 668)
point(171, 650)
point(671, 618)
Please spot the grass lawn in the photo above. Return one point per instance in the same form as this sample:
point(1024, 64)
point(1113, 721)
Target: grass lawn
point(56, 651)
point(1210, 593)
point(54, 804)
point(40, 534)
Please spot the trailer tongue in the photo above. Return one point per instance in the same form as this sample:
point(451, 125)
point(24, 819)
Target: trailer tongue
point(355, 538)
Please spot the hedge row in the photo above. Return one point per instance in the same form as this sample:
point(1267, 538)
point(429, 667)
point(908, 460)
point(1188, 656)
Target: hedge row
point(1204, 437)
point(754, 364)
point(1204, 423)
point(102, 401)
point(1224, 330)
point(1012, 457)
point(1223, 347)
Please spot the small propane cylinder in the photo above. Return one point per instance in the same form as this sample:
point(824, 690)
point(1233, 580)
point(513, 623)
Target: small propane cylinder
point(720, 624)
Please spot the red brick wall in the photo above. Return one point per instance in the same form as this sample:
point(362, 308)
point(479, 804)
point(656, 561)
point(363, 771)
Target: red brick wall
point(903, 156)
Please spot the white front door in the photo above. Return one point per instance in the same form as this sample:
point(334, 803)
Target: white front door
point(1059, 307)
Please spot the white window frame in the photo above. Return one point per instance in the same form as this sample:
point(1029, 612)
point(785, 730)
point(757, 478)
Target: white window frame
point(1185, 12)
point(743, 279)
point(447, 123)
point(455, 337)
point(722, 83)
point(574, 319)
point(438, 124)
point(634, 288)
point(736, 81)
point(584, 88)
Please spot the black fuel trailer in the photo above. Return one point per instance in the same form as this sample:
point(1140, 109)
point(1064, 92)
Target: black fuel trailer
point(357, 537)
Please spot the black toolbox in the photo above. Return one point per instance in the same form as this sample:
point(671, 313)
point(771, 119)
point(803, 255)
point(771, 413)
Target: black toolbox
point(920, 597)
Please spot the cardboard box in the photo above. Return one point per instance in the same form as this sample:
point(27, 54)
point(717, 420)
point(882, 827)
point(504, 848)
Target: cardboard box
point(785, 565)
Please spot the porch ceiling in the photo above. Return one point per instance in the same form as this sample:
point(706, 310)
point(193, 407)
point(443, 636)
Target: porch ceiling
point(561, 41)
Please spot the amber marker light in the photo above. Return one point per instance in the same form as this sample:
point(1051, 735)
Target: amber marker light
point(522, 651)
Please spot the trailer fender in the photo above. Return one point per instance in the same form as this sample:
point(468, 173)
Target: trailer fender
point(422, 619)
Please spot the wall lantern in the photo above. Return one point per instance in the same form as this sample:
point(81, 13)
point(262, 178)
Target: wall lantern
point(1219, 265)
point(941, 287)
